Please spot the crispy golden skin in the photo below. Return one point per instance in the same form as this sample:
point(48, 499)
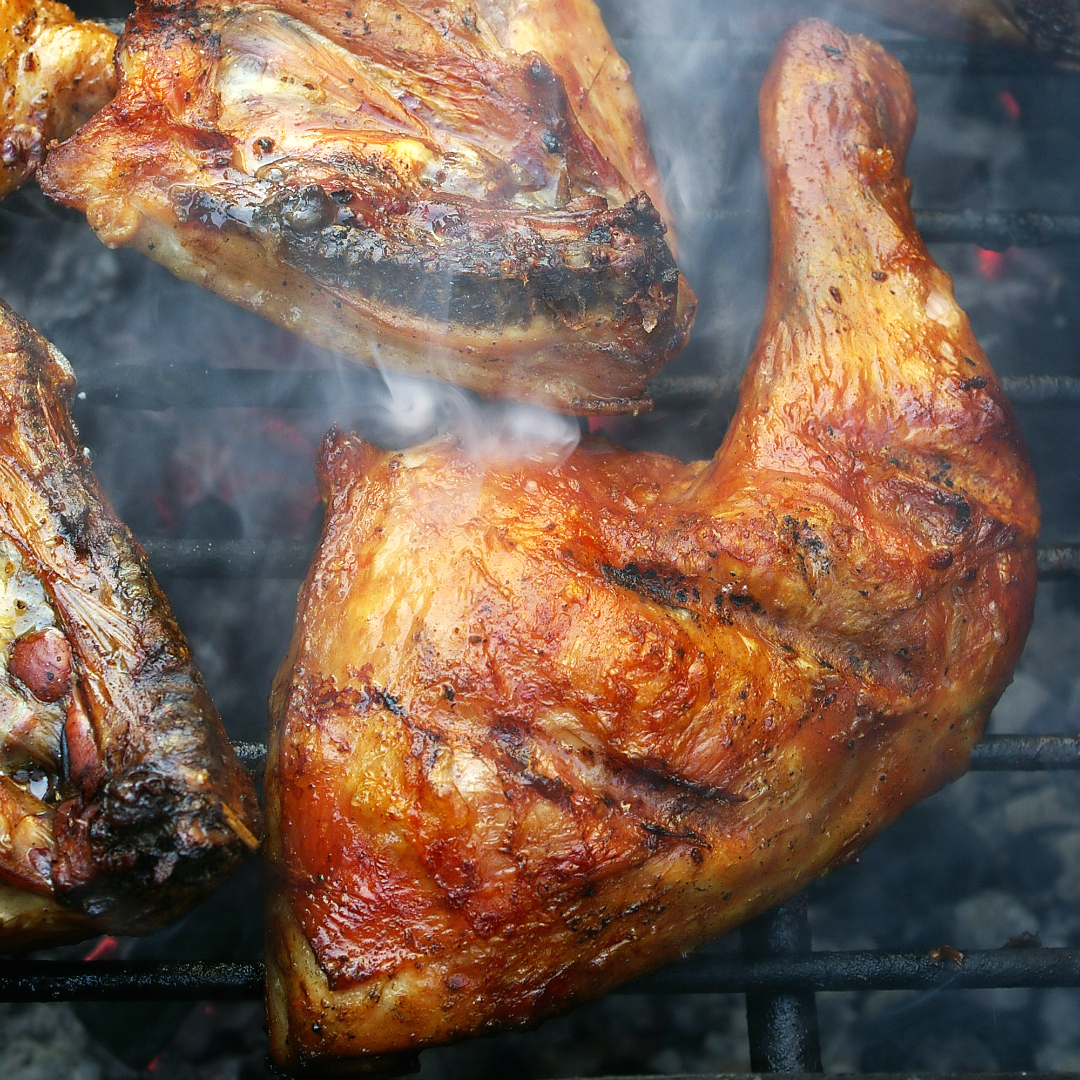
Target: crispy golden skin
point(1050, 28)
point(55, 73)
point(571, 36)
point(544, 726)
point(392, 182)
point(121, 800)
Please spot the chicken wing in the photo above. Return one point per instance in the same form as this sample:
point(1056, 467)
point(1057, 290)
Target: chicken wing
point(55, 73)
point(121, 800)
point(392, 182)
point(546, 725)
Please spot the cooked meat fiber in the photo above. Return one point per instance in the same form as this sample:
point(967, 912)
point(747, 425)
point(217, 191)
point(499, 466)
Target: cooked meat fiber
point(545, 726)
point(1050, 28)
point(55, 73)
point(121, 801)
point(392, 181)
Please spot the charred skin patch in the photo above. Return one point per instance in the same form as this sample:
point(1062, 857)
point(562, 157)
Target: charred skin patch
point(810, 549)
point(672, 590)
point(453, 262)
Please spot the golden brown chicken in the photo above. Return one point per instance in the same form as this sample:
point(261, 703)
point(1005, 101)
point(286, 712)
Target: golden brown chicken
point(121, 801)
point(1050, 28)
point(545, 725)
point(396, 182)
point(55, 73)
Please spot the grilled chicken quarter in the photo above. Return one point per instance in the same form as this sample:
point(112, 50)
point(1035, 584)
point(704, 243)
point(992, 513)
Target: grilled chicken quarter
point(122, 802)
point(546, 725)
point(456, 190)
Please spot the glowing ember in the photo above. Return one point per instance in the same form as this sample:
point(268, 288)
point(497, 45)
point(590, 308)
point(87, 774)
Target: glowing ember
point(602, 425)
point(1010, 105)
point(991, 264)
point(103, 949)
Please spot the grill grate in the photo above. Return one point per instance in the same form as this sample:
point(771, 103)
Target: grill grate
point(779, 985)
point(778, 971)
point(118, 980)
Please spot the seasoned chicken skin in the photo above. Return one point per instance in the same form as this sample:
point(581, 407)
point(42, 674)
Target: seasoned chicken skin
point(393, 182)
point(1050, 28)
point(545, 725)
point(55, 73)
point(121, 800)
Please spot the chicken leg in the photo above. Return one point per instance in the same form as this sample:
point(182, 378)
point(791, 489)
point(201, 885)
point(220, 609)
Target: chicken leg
point(545, 725)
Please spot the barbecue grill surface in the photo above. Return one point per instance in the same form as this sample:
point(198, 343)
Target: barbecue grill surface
point(204, 422)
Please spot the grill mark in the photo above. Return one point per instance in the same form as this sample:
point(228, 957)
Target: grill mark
point(322, 695)
point(737, 601)
point(687, 835)
point(516, 757)
point(658, 777)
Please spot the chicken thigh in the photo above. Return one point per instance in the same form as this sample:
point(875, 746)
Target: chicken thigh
point(548, 724)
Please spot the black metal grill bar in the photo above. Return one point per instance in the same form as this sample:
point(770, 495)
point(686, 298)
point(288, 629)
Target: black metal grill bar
point(218, 559)
point(1059, 561)
point(996, 753)
point(997, 229)
point(129, 386)
point(675, 390)
point(1026, 753)
point(109, 980)
point(782, 1028)
point(867, 970)
point(112, 980)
